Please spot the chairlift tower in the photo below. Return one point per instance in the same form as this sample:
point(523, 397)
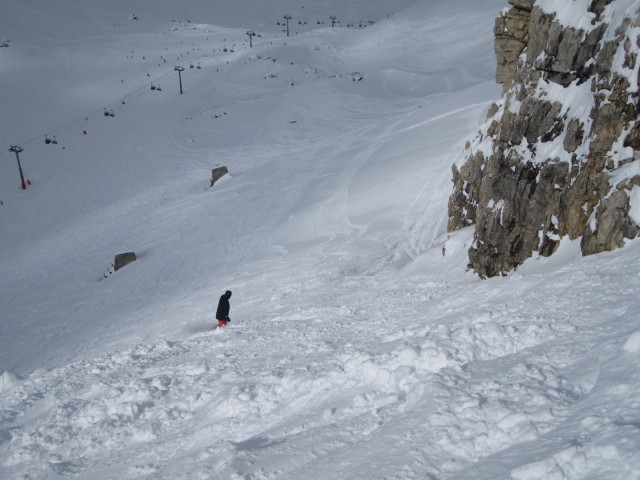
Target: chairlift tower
point(179, 69)
point(333, 20)
point(17, 150)
point(251, 34)
point(287, 18)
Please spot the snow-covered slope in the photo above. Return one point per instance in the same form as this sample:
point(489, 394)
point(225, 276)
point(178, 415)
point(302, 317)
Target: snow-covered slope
point(359, 347)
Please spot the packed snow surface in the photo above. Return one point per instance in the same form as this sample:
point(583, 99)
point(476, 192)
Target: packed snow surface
point(359, 347)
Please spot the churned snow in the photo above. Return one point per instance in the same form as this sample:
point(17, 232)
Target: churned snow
point(359, 347)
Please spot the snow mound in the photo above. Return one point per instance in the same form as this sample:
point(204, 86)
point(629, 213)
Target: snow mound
point(633, 343)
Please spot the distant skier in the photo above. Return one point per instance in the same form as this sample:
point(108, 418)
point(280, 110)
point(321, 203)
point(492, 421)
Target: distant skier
point(222, 314)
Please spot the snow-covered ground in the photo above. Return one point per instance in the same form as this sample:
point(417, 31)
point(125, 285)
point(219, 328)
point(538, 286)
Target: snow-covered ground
point(360, 348)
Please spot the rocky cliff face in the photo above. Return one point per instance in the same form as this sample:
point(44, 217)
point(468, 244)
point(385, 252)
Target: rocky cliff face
point(559, 155)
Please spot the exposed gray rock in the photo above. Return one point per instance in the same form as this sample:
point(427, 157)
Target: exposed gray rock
point(613, 225)
point(511, 32)
point(536, 119)
point(598, 6)
point(523, 4)
point(217, 173)
point(123, 259)
point(574, 136)
point(521, 203)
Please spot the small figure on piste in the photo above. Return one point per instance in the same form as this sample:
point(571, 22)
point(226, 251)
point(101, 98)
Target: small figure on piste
point(222, 314)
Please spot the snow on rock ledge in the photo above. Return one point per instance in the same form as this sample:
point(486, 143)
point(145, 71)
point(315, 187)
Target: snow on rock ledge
point(560, 149)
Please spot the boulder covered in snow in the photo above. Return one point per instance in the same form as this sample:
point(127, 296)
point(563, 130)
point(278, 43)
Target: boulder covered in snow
point(217, 173)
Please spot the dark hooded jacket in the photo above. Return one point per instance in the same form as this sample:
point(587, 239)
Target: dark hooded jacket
point(222, 313)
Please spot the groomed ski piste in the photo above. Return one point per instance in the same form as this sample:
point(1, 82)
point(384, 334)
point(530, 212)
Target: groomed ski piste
point(360, 347)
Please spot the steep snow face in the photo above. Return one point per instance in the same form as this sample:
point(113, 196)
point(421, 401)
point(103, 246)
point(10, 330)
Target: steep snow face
point(331, 164)
point(507, 378)
point(358, 347)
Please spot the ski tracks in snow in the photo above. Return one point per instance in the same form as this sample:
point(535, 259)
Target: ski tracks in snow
point(270, 398)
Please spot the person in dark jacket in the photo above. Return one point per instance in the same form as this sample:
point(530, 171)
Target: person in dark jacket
point(222, 314)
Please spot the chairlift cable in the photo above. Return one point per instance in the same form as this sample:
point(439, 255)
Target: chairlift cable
point(69, 126)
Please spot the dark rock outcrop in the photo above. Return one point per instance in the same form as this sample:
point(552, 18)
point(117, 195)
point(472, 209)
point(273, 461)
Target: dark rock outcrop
point(543, 166)
point(217, 173)
point(123, 259)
